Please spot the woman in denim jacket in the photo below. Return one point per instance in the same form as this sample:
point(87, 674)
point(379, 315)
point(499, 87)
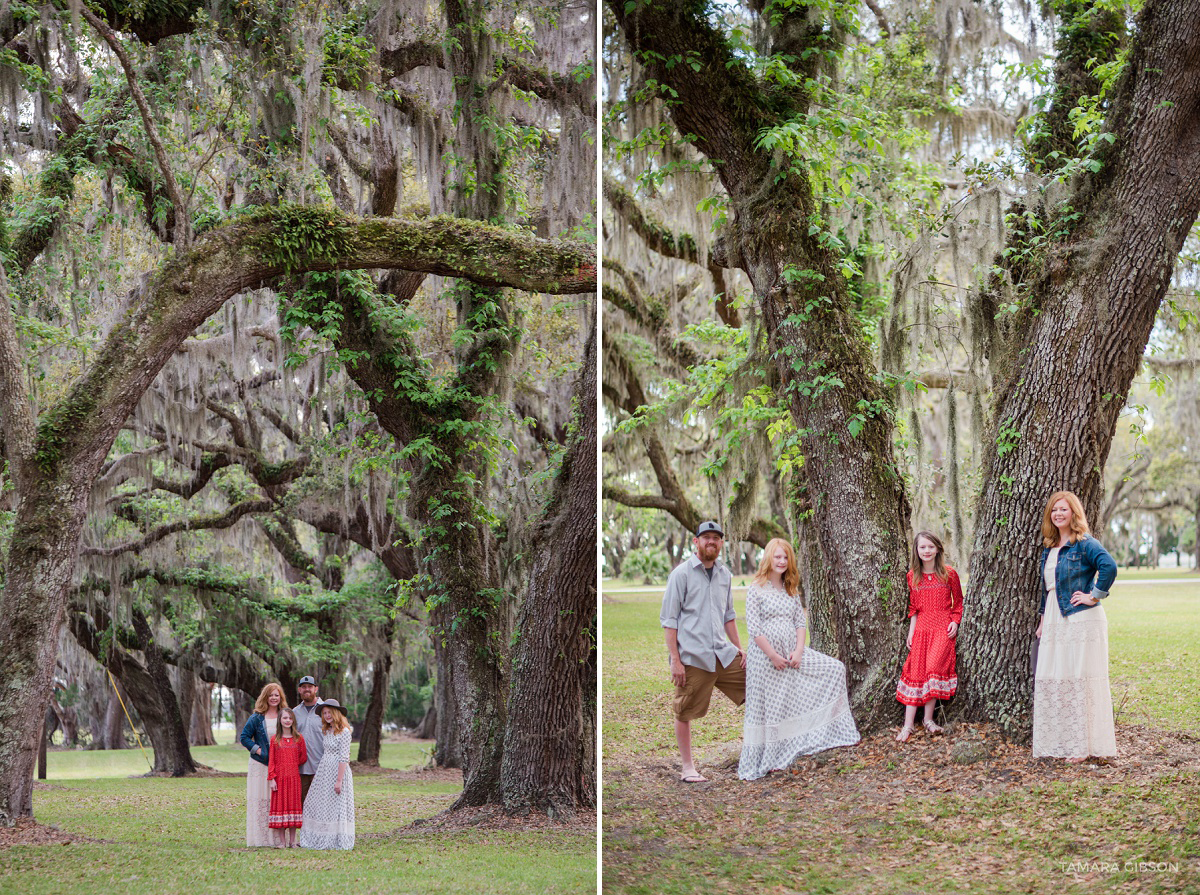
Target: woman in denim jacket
point(256, 737)
point(1072, 704)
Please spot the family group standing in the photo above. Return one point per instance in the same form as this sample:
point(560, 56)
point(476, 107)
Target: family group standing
point(299, 776)
point(795, 698)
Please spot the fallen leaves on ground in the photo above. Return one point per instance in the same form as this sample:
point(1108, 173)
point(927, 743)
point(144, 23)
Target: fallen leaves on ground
point(27, 831)
point(963, 805)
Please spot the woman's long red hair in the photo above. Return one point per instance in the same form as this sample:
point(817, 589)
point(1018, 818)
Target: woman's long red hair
point(791, 578)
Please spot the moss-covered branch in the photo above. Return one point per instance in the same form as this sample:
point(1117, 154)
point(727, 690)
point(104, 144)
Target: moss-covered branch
point(561, 90)
point(217, 520)
point(653, 318)
point(15, 407)
point(402, 59)
point(299, 239)
point(657, 235)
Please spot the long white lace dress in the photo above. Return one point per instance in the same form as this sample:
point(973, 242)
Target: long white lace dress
point(258, 800)
point(1072, 703)
point(329, 816)
point(793, 711)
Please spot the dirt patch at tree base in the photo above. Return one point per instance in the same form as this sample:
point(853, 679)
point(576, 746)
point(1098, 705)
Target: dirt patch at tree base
point(27, 831)
point(493, 817)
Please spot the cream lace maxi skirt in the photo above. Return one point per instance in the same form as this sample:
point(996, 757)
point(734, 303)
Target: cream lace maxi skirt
point(1072, 705)
point(258, 801)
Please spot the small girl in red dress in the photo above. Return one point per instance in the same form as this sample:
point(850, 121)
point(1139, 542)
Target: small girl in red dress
point(287, 753)
point(935, 608)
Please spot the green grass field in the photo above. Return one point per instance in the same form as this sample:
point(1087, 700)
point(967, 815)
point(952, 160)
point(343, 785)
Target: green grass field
point(80, 764)
point(157, 836)
point(881, 818)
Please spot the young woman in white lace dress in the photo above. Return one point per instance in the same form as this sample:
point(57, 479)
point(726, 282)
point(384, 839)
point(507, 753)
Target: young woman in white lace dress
point(1072, 703)
point(329, 805)
point(796, 702)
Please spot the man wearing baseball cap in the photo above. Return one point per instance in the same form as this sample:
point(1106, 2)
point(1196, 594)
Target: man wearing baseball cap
point(700, 627)
point(308, 725)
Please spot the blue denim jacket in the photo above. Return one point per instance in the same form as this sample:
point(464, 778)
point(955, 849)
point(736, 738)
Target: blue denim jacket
point(255, 734)
point(1084, 566)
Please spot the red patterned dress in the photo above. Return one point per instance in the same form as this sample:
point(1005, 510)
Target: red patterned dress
point(283, 766)
point(929, 672)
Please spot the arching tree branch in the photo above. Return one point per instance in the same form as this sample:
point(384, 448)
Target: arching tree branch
point(218, 520)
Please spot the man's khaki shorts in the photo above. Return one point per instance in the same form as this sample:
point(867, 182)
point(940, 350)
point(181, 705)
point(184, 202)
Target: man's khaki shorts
point(691, 700)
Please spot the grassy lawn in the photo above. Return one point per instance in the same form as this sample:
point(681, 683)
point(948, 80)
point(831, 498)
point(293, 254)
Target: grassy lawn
point(83, 765)
point(159, 836)
point(880, 818)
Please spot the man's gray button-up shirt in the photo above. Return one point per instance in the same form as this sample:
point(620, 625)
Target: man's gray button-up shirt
point(698, 608)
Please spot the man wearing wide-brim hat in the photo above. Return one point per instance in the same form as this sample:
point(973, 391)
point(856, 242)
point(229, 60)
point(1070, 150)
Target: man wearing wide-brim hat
point(703, 645)
point(308, 725)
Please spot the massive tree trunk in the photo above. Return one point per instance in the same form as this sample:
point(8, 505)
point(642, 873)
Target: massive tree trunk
point(1092, 302)
point(146, 684)
point(860, 511)
point(165, 727)
point(49, 722)
point(372, 729)
point(110, 732)
point(54, 469)
point(41, 560)
point(468, 612)
point(556, 631)
point(200, 725)
point(427, 727)
point(1196, 529)
point(446, 753)
point(68, 719)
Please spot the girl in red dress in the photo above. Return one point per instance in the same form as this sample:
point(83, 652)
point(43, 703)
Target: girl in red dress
point(935, 608)
point(287, 753)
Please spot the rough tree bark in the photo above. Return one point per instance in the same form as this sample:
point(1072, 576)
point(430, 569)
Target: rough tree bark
point(54, 469)
point(109, 732)
point(165, 727)
point(200, 728)
point(372, 726)
point(860, 511)
point(556, 635)
point(1091, 304)
point(446, 751)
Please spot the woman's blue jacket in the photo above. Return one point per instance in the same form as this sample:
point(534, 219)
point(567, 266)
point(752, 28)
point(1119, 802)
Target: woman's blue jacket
point(255, 734)
point(1084, 566)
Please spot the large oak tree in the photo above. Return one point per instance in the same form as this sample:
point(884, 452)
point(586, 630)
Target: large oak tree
point(287, 124)
point(1078, 277)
